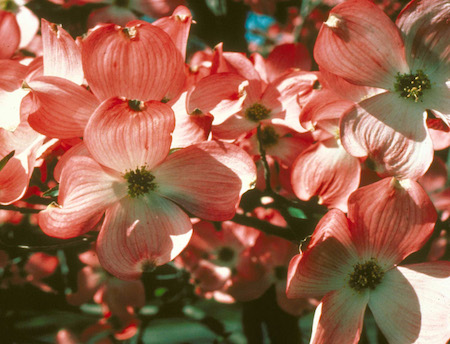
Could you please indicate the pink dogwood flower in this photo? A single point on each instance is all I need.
(408, 62)
(125, 173)
(353, 263)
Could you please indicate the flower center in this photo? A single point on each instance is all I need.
(225, 254)
(257, 112)
(269, 137)
(366, 275)
(140, 182)
(136, 105)
(412, 85)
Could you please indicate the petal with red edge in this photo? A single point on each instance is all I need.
(140, 234)
(86, 190)
(326, 170)
(138, 61)
(361, 44)
(339, 318)
(390, 219)
(124, 137)
(411, 304)
(391, 131)
(62, 56)
(64, 107)
(329, 258)
(206, 179)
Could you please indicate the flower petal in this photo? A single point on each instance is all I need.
(326, 170)
(361, 44)
(62, 56)
(285, 56)
(207, 179)
(391, 131)
(86, 190)
(324, 266)
(140, 234)
(424, 24)
(391, 219)
(138, 61)
(64, 107)
(10, 34)
(339, 318)
(124, 138)
(411, 304)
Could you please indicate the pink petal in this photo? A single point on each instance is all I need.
(390, 219)
(207, 179)
(86, 191)
(10, 34)
(41, 265)
(323, 267)
(124, 138)
(392, 132)
(361, 44)
(222, 95)
(285, 56)
(326, 170)
(28, 24)
(64, 107)
(140, 234)
(424, 24)
(411, 304)
(339, 318)
(177, 26)
(88, 281)
(233, 127)
(12, 74)
(62, 56)
(138, 61)
(189, 129)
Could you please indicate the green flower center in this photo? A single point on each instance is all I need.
(411, 86)
(140, 182)
(269, 137)
(366, 275)
(257, 112)
(136, 105)
(225, 254)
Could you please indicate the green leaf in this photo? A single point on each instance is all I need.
(5, 160)
(297, 213)
(53, 192)
(217, 7)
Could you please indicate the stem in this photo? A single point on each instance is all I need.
(264, 226)
(20, 209)
(262, 151)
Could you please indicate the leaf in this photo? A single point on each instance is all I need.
(5, 160)
(297, 213)
(53, 192)
(217, 7)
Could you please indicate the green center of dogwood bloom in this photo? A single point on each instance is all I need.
(411, 86)
(269, 137)
(257, 112)
(136, 105)
(140, 182)
(366, 275)
(225, 254)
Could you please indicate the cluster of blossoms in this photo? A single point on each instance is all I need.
(154, 153)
